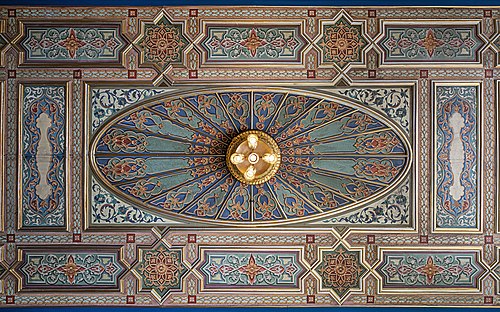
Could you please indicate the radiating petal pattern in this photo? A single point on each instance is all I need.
(168, 155)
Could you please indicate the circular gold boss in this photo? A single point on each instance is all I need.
(253, 157)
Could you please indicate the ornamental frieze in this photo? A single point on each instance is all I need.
(221, 156)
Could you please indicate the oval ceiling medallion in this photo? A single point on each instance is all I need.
(249, 156)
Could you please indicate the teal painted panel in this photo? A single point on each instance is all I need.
(56, 269)
(224, 269)
(430, 269)
(438, 43)
(43, 157)
(256, 43)
(91, 44)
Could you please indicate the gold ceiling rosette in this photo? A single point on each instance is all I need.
(253, 157)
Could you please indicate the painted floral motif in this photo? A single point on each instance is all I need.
(253, 44)
(72, 44)
(238, 108)
(162, 43)
(385, 142)
(68, 270)
(160, 270)
(382, 170)
(207, 105)
(430, 43)
(265, 204)
(456, 157)
(266, 105)
(43, 132)
(125, 141)
(178, 165)
(439, 43)
(62, 44)
(394, 103)
(430, 269)
(106, 101)
(357, 122)
(108, 209)
(393, 209)
(126, 168)
(342, 43)
(237, 206)
(341, 270)
(251, 270)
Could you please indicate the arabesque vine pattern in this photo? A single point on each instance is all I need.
(169, 156)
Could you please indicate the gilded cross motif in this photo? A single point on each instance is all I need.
(162, 43)
(341, 270)
(160, 270)
(342, 43)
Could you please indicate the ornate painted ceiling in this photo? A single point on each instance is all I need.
(249, 156)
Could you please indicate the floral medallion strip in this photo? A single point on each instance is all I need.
(456, 157)
(253, 44)
(44, 157)
(430, 270)
(70, 270)
(85, 44)
(431, 44)
(246, 270)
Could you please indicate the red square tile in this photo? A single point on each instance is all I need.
(488, 13)
(488, 73)
(193, 12)
(311, 299)
(11, 238)
(488, 300)
(488, 239)
(193, 74)
(191, 238)
(9, 299)
(424, 73)
(130, 299)
(132, 74)
(372, 13)
(424, 239)
(11, 13)
(191, 299)
(372, 73)
(130, 238)
(311, 13)
(311, 74)
(77, 238)
(11, 74)
(77, 74)
(310, 238)
(132, 12)
(370, 299)
(370, 239)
